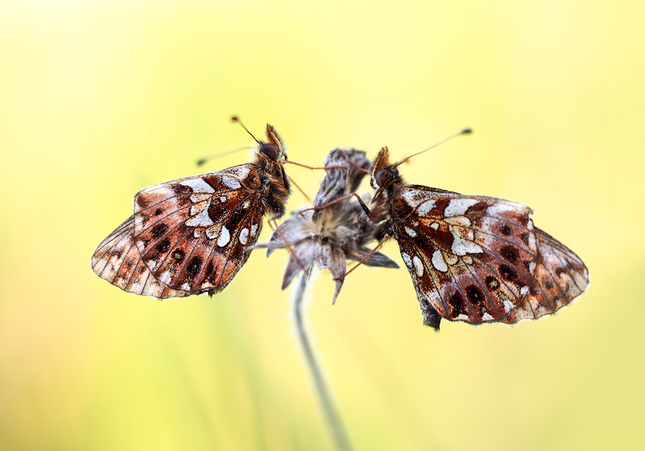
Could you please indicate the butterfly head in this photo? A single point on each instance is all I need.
(274, 148)
(384, 174)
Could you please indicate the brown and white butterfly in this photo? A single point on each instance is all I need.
(473, 258)
(192, 235)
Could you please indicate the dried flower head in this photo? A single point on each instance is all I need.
(335, 229)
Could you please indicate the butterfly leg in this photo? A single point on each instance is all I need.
(363, 260)
(340, 199)
(288, 246)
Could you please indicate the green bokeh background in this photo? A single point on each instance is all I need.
(100, 99)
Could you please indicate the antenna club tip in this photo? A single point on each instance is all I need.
(234, 119)
(466, 131)
(201, 162)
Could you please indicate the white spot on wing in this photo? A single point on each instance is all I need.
(212, 232)
(463, 247)
(411, 232)
(412, 198)
(165, 277)
(434, 226)
(501, 207)
(201, 220)
(458, 207)
(438, 261)
(508, 306)
(198, 185)
(197, 208)
(459, 221)
(240, 171)
(254, 228)
(406, 259)
(199, 197)
(487, 317)
(230, 182)
(524, 291)
(418, 265)
(425, 207)
(244, 234)
(224, 237)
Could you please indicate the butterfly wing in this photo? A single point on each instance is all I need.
(560, 277)
(476, 258)
(117, 260)
(192, 235)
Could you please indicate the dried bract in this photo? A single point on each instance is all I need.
(336, 229)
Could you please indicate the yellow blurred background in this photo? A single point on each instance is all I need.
(100, 99)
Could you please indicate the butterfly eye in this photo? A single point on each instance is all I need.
(382, 177)
(270, 150)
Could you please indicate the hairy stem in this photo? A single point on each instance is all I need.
(336, 428)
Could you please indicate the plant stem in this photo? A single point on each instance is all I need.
(336, 428)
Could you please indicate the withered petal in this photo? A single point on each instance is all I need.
(376, 259)
(305, 256)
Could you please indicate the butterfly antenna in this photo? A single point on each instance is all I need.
(463, 132)
(237, 119)
(201, 161)
(218, 155)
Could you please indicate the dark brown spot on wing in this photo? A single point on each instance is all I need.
(142, 202)
(182, 190)
(456, 303)
(178, 255)
(163, 246)
(506, 230)
(474, 294)
(492, 283)
(442, 237)
(509, 253)
(194, 265)
(211, 273)
(507, 273)
(158, 230)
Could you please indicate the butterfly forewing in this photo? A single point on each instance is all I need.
(193, 235)
(472, 257)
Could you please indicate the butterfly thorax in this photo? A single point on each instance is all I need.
(388, 184)
(273, 185)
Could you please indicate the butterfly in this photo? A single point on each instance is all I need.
(192, 235)
(476, 259)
